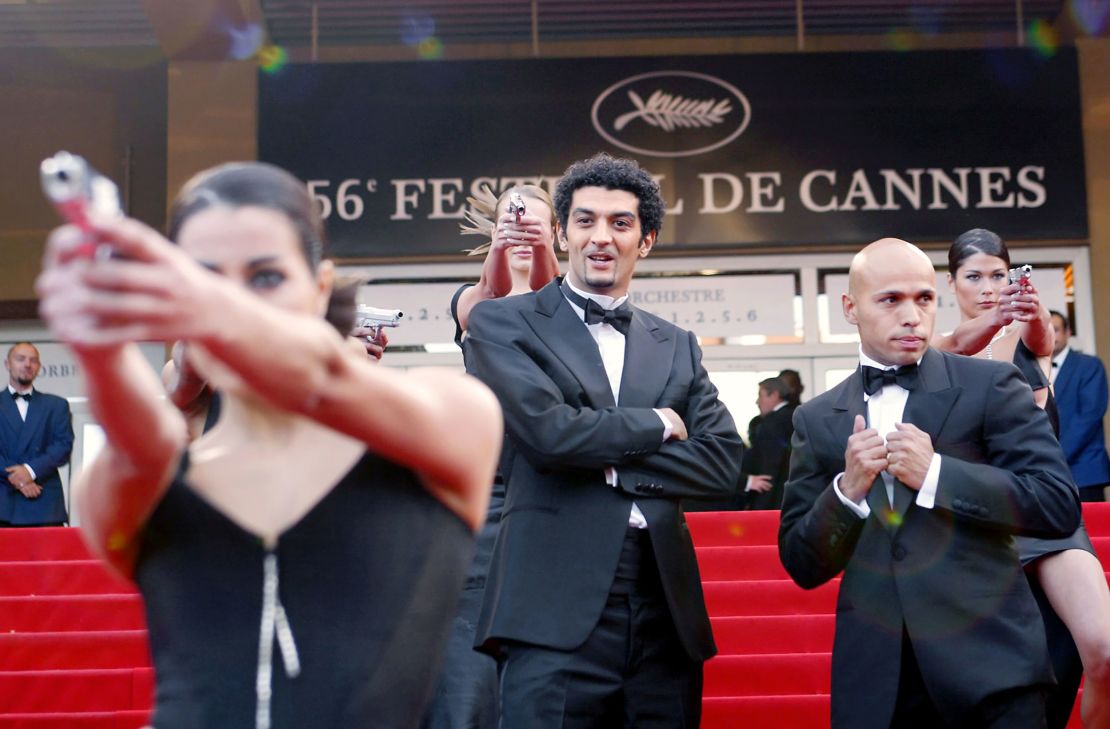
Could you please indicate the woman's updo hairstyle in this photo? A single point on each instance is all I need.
(976, 240)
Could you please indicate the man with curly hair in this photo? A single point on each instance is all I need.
(593, 601)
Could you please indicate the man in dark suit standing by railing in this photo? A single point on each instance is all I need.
(1079, 383)
(36, 437)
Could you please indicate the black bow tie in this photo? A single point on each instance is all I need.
(874, 379)
(16, 395)
(620, 318)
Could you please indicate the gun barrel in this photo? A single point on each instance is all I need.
(372, 316)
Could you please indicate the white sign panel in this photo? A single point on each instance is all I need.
(710, 306)
(721, 306)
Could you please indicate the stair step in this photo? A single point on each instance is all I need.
(73, 650)
(768, 675)
(756, 562)
(119, 689)
(728, 598)
(62, 613)
(733, 528)
(759, 712)
(42, 544)
(68, 577)
(753, 635)
(91, 720)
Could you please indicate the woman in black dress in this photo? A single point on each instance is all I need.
(300, 562)
(1005, 321)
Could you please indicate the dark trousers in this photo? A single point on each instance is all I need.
(631, 672)
(1018, 708)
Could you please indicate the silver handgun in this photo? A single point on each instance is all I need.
(371, 317)
(516, 206)
(76, 189)
(1021, 274)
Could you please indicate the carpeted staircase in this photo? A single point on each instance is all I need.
(73, 651)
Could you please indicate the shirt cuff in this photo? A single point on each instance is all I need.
(862, 509)
(31, 471)
(927, 494)
(668, 428)
(611, 476)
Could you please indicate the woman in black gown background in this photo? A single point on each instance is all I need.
(300, 562)
(1006, 321)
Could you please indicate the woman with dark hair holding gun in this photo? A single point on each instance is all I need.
(1005, 320)
(300, 562)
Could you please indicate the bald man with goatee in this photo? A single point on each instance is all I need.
(911, 478)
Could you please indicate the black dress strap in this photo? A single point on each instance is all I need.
(455, 312)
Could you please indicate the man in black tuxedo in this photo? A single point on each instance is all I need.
(767, 461)
(914, 491)
(593, 599)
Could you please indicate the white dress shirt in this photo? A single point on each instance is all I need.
(884, 409)
(22, 406)
(1058, 363)
(610, 343)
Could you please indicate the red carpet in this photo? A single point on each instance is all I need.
(73, 651)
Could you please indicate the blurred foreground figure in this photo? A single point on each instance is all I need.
(301, 560)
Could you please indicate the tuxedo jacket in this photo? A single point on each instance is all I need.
(1081, 399)
(44, 443)
(769, 455)
(949, 576)
(563, 526)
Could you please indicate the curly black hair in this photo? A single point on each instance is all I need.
(612, 173)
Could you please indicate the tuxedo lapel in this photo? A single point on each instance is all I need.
(928, 407)
(563, 332)
(10, 413)
(1064, 376)
(648, 361)
(844, 411)
(840, 424)
(33, 423)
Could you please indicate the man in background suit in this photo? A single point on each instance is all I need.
(767, 461)
(593, 597)
(911, 477)
(36, 437)
(1079, 383)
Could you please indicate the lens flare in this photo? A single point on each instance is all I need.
(430, 48)
(272, 58)
(899, 39)
(1043, 38)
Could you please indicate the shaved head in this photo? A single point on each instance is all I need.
(884, 254)
(892, 301)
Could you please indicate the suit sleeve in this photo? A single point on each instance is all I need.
(550, 432)
(707, 464)
(60, 444)
(1025, 487)
(1084, 419)
(817, 533)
